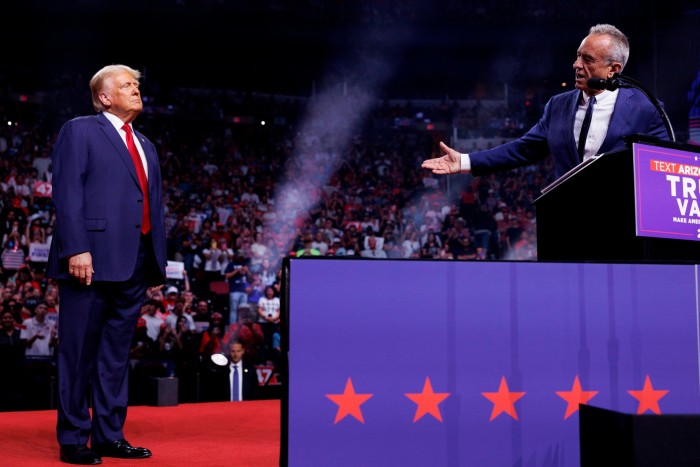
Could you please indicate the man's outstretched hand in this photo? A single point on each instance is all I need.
(450, 163)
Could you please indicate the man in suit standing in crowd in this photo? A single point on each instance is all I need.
(613, 115)
(244, 387)
(230, 379)
(108, 249)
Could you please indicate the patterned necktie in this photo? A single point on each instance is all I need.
(143, 181)
(584, 128)
(234, 384)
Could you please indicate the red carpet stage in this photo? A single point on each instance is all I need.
(211, 434)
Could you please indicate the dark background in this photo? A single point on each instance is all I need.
(402, 49)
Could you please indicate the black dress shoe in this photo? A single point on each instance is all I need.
(120, 448)
(79, 454)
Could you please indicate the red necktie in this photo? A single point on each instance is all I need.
(136, 158)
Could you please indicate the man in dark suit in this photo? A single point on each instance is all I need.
(615, 114)
(108, 249)
(219, 380)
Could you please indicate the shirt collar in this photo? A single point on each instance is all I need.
(114, 120)
(603, 97)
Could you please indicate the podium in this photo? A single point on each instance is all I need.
(588, 214)
(623, 440)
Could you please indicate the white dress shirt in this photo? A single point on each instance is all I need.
(116, 121)
(602, 112)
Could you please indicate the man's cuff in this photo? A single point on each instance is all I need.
(465, 163)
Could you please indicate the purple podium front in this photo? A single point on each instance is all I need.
(415, 363)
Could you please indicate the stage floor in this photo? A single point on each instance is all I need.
(203, 434)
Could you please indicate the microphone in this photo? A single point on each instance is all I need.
(597, 83)
(619, 81)
(601, 83)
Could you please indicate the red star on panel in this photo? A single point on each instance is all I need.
(503, 400)
(648, 397)
(575, 397)
(427, 401)
(349, 402)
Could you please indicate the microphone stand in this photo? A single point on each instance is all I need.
(620, 81)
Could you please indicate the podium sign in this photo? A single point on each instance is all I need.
(666, 185)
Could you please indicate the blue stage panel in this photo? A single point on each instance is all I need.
(421, 363)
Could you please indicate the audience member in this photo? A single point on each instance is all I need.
(308, 249)
(255, 291)
(177, 313)
(410, 247)
(249, 333)
(211, 342)
(237, 275)
(171, 294)
(12, 349)
(215, 255)
(373, 250)
(320, 243)
(39, 333)
(267, 274)
(201, 315)
(258, 252)
(142, 346)
(431, 247)
(149, 314)
(269, 315)
(14, 250)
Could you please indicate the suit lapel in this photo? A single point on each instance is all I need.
(619, 120)
(570, 112)
(116, 140)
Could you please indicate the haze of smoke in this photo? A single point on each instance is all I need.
(332, 120)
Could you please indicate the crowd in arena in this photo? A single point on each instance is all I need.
(240, 197)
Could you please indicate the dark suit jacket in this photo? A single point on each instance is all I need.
(216, 386)
(100, 201)
(554, 134)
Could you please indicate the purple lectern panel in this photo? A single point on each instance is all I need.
(667, 188)
(432, 363)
